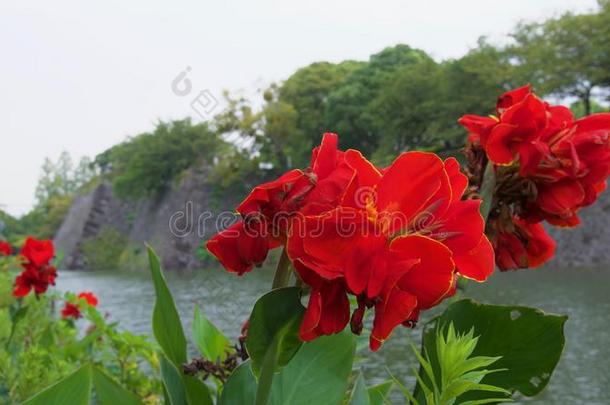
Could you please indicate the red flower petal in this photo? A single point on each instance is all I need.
(457, 179)
(410, 183)
(239, 249)
(431, 275)
(561, 197)
(478, 263)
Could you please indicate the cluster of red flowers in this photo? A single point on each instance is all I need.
(73, 310)
(396, 238)
(38, 273)
(548, 166)
(5, 248)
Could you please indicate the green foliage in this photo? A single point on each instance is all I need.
(347, 111)
(318, 374)
(566, 56)
(331, 357)
(240, 388)
(132, 258)
(210, 341)
(147, 164)
(273, 334)
(110, 393)
(103, 252)
(527, 342)
(453, 370)
(361, 395)
(74, 389)
(44, 349)
(167, 328)
(44, 219)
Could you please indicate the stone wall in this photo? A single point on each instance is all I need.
(174, 224)
(177, 223)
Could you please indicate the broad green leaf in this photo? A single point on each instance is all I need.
(318, 374)
(210, 341)
(528, 341)
(168, 331)
(378, 393)
(110, 392)
(197, 392)
(273, 334)
(360, 395)
(166, 321)
(240, 388)
(172, 382)
(75, 389)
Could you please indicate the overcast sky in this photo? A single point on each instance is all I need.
(81, 75)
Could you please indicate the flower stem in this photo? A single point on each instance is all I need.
(282, 272)
(488, 186)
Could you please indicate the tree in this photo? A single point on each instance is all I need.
(308, 89)
(566, 56)
(346, 110)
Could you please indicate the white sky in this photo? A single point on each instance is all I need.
(81, 75)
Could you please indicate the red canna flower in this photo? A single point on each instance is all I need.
(37, 272)
(89, 297)
(266, 213)
(34, 278)
(73, 310)
(70, 310)
(5, 248)
(515, 131)
(38, 252)
(574, 173)
(548, 166)
(527, 245)
(398, 239)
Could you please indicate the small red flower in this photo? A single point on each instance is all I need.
(515, 131)
(37, 272)
(5, 248)
(34, 278)
(38, 252)
(89, 297)
(526, 245)
(70, 310)
(73, 310)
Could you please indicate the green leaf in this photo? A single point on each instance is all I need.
(111, 393)
(528, 341)
(210, 341)
(240, 388)
(168, 331)
(360, 395)
(318, 374)
(172, 382)
(378, 393)
(167, 327)
(273, 334)
(197, 392)
(75, 389)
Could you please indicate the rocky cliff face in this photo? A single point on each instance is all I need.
(177, 223)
